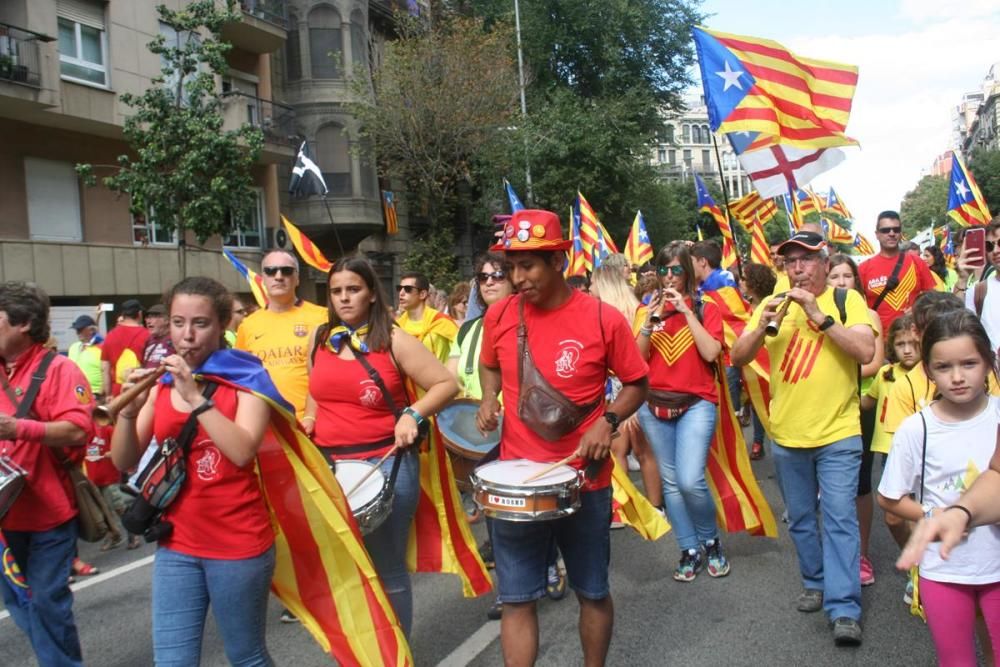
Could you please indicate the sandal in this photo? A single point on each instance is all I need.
(133, 542)
(112, 542)
(84, 569)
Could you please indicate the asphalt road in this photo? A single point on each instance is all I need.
(747, 618)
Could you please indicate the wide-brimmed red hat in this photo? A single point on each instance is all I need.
(532, 229)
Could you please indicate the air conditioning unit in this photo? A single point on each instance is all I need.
(277, 239)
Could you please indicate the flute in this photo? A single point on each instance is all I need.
(105, 415)
(771, 328)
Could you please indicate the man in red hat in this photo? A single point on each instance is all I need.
(573, 357)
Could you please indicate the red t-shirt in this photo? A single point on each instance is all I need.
(220, 511)
(350, 407)
(120, 339)
(98, 465)
(574, 355)
(47, 499)
(914, 278)
(674, 361)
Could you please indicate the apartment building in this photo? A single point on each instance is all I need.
(64, 65)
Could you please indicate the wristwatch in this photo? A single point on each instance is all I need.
(612, 419)
(827, 323)
(203, 408)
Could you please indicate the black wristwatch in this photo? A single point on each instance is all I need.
(827, 323)
(203, 408)
(612, 419)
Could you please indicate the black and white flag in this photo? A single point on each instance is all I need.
(306, 179)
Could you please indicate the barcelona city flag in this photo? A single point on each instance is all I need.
(311, 254)
(966, 204)
(757, 85)
(323, 573)
(638, 249)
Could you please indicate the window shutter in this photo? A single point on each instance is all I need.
(84, 12)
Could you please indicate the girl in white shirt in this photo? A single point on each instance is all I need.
(936, 454)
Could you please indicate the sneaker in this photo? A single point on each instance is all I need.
(486, 553)
(846, 632)
(692, 562)
(867, 572)
(555, 586)
(718, 566)
(495, 611)
(757, 451)
(908, 593)
(811, 600)
(288, 617)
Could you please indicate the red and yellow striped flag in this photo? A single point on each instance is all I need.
(589, 236)
(966, 204)
(310, 254)
(389, 209)
(751, 205)
(760, 251)
(634, 509)
(707, 205)
(836, 233)
(638, 248)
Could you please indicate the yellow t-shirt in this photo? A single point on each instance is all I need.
(912, 393)
(879, 390)
(435, 330)
(782, 284)
(281, 342)
(814, 384)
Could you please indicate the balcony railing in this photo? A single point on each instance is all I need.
(277, 121)
(272, 11)
(20, 59)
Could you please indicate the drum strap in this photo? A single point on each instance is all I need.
(390, 403)
(477, 330)
(23, 406)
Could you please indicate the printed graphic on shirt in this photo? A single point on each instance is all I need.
(370, 395)
(208, 463)
(82, 394)
(301, 330)
(800, 357)
(961, 483)
(899, 297)
(569, 356)
(673, 346)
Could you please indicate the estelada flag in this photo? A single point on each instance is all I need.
(707, 205)
(310, 254)
(254, 280)
(13, 577)
(322, 573)
(389, 209)
(638, 249)
(966, 204)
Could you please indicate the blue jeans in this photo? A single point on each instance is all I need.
(387, 544)
(734, 378)
(45, 558)
(831, 564)
(183, 587)
(681, 446)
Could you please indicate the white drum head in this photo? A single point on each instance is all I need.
(513, 473)
(350, 473)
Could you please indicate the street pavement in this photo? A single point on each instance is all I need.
(747, 618)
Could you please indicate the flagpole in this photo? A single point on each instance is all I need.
(524, 105)
(336, 234)
(725, 199)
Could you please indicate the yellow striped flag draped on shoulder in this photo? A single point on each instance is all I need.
(757, 85)
(307, 250)
(638, 248)
(322, 573)
(966, 204)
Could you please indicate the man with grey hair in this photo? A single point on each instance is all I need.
(816, 336)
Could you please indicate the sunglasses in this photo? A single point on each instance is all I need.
(272, 271)
(676, 270)
(495, 275)
(409, 289)
(990, 245)
(890, 230)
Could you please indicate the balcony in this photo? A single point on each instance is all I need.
(264, 27)
(27, 70)
(276, 121)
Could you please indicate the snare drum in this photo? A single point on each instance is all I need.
(372, 502)
(500, 491)
(465, 444)
(12, 480)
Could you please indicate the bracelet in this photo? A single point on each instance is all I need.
(968, 524)
(122, 415)
(305, 417)
(646, 331)
(417, 417)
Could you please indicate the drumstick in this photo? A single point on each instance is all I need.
(372, 471)
(548, 469)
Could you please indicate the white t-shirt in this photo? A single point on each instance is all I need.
(956, 454)
(991, 308)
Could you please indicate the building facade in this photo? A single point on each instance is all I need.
(685, 147)
(977, 117)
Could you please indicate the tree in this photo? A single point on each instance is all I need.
(985, 167)
(926, 204)
(434, 256)
(184, 169)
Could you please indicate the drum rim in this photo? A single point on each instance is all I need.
(478, 482)
(472, 454)
(383, 488)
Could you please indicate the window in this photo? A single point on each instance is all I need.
(672, 157)
(661, 155)
(669, 134)
(53, 190)
(83, 46)
(359, 44)
(706, 134)
(686, 133)
(334, 159)
(293, 54)
(369, 184)
(145, 231)
(687, 158)
(696, 134)
(249, 232)
(175, 39)
(706, 159)
(325, 43)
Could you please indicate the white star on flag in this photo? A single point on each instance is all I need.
(732, 78)
(963, 191)
(643, 236)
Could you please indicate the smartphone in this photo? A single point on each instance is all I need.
(975, 239)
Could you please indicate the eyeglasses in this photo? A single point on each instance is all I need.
(801, 259)
(272, 271)
(409, 289)
(890, 230)
(497, 276)
(676, 270)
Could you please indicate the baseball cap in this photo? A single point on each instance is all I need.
(83, 322)
(804, 239)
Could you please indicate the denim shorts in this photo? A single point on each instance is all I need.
(522, 551)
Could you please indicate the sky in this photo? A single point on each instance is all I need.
(915, 59)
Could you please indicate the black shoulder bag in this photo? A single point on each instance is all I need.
(161, 479)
